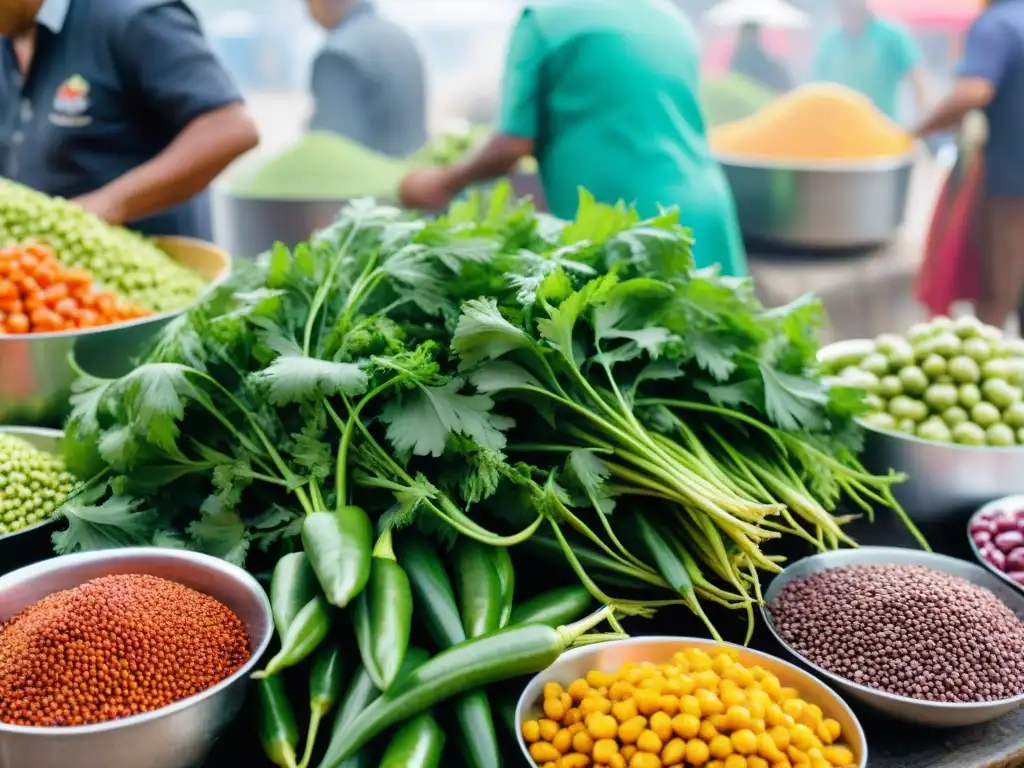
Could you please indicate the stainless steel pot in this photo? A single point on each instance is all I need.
(35, 377)
(819, 205)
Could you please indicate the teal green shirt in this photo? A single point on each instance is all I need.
(876, 62)
(608, 90)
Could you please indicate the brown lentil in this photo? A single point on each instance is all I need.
(907, 630)
(113, 647)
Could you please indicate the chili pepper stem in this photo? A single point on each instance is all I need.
(315, 716)
(573, 632)
(384, 548)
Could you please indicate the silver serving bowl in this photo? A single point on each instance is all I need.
(834, 205)
(1006, 501)
(929, 713)
(47, 440)
(178, 736)
(35, 377)
(608, 657)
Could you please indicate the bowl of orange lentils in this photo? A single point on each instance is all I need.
(51, 313)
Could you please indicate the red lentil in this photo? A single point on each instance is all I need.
(113, 647)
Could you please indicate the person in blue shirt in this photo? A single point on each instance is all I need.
(991, 78)
(872, 56)
(368, 81)
(119, 105)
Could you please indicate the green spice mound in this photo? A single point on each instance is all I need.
(447, 149)
(32, 484)
(323, 166)
(121, 260)
(733, 97)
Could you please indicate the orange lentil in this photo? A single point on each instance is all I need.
(113, 647)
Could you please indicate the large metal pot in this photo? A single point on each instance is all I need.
(35, 377)
(819, 205)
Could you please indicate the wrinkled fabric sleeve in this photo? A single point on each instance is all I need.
(339, 93)
(521, 86)
(167, 60)
(989, 48)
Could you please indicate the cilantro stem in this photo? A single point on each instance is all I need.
(341, 470)
(325, 287)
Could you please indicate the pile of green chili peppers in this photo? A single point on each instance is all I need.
(345, 621)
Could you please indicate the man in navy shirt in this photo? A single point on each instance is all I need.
(368, 81)
(119, 105)
(991, 78)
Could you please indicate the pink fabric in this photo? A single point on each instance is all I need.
(952, 263)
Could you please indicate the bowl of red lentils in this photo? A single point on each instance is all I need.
(131, 658)
(655, 702)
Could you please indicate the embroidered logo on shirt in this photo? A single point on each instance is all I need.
(71, 102)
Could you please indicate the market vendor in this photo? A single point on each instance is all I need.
(368, 81)
(604, 93)
(991, 78)
(119, 105)
(873, 56)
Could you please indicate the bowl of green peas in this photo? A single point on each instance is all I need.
(33, 482)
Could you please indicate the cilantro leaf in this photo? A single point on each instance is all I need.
(117, 521)
(713, 355)
(222, 535)
(590, 473)
(792, 402)
(293, 379)
(559, 326)
(502, 375)
(408, 501)
(275, 524)
(311, 454)
(156, 394)
(119, 448)
(420, 423)
(483, 333)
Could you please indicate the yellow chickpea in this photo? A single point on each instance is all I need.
(710, 704)
(737, 717)
(647, 700)
(596, 679)
(775, 716)
(767, 748)
(820, 762)
(744, 741)
(531, 731)
(578, 689)
(722, 662)
(630, 730)
(689, 705)
(627, 752)
(553, 709)
(731, 694)
(583, 743)
(715, 764)
(699, 660)
(793, 707)
(839, 756)
(553, 764)
(686, 686)
(661, 724)
(617, 761)
(577, 728)
(720, 747)
(566, 700)
(835, 730)
(770, 685)
(803, 738)
(542, 752)
(562, 741)
(780, 735)
(674, 752)
(797, 756)
(620, 691)
(686, 726)
(757, 762)
(669, 704)
(811, 716)
(719, 721)
(744, 677)
(707, 680)
(552, 690)
(602, 726)
(697, 752)
(644, 760)
(548, 729)
(783, 763)
(707, 730)
(604, 750)
(575, 761)
(625, 710)
(572, 717)
(758, 725)
(758, 703)
(649, 742)
(735, 761)
(787, 693)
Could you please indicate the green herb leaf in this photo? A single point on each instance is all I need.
(483, 333)
(293, 379)
(221, 535)
(502, 375)
(118, 521)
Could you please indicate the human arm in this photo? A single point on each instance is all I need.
(517, 128)
(986, 55)
(339, 97)
(177, 79)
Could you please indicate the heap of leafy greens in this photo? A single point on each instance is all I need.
(496, 374)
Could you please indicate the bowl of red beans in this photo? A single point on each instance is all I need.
(996, 534)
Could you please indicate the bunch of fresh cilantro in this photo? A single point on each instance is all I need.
(494, 373)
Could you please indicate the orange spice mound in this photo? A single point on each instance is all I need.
(819, 121)
(113, 647)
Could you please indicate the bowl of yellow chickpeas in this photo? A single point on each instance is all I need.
(676, 702)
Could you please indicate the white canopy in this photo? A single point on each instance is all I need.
(769, 13)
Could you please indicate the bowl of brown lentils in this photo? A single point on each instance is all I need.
(921, 637)
(133, 657)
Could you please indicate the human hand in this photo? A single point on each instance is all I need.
(104, 205)
(429, 189)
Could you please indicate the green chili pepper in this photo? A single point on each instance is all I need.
(292, 586)
(507, 578)
(339, 547)
(383, 616)
(278, 733)
(304, 636)
(506, 706)
(475, 663)
(435, 604)
(325, 679)
(554, 608)
(477, 587)
(672, 569)
(417, 744)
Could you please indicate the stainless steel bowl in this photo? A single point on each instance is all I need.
(608, 657)
(820, 205)
(945, 481)
(178, 736)
(936, 714)
(35, 378)
(1005, 501)
(47, 440)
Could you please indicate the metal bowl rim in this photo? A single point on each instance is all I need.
(169, 314)
(185, 556)
(932, 705)
(957, 447)
(55, 434)
(883, 164)
(522, 704)
(974, 547)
